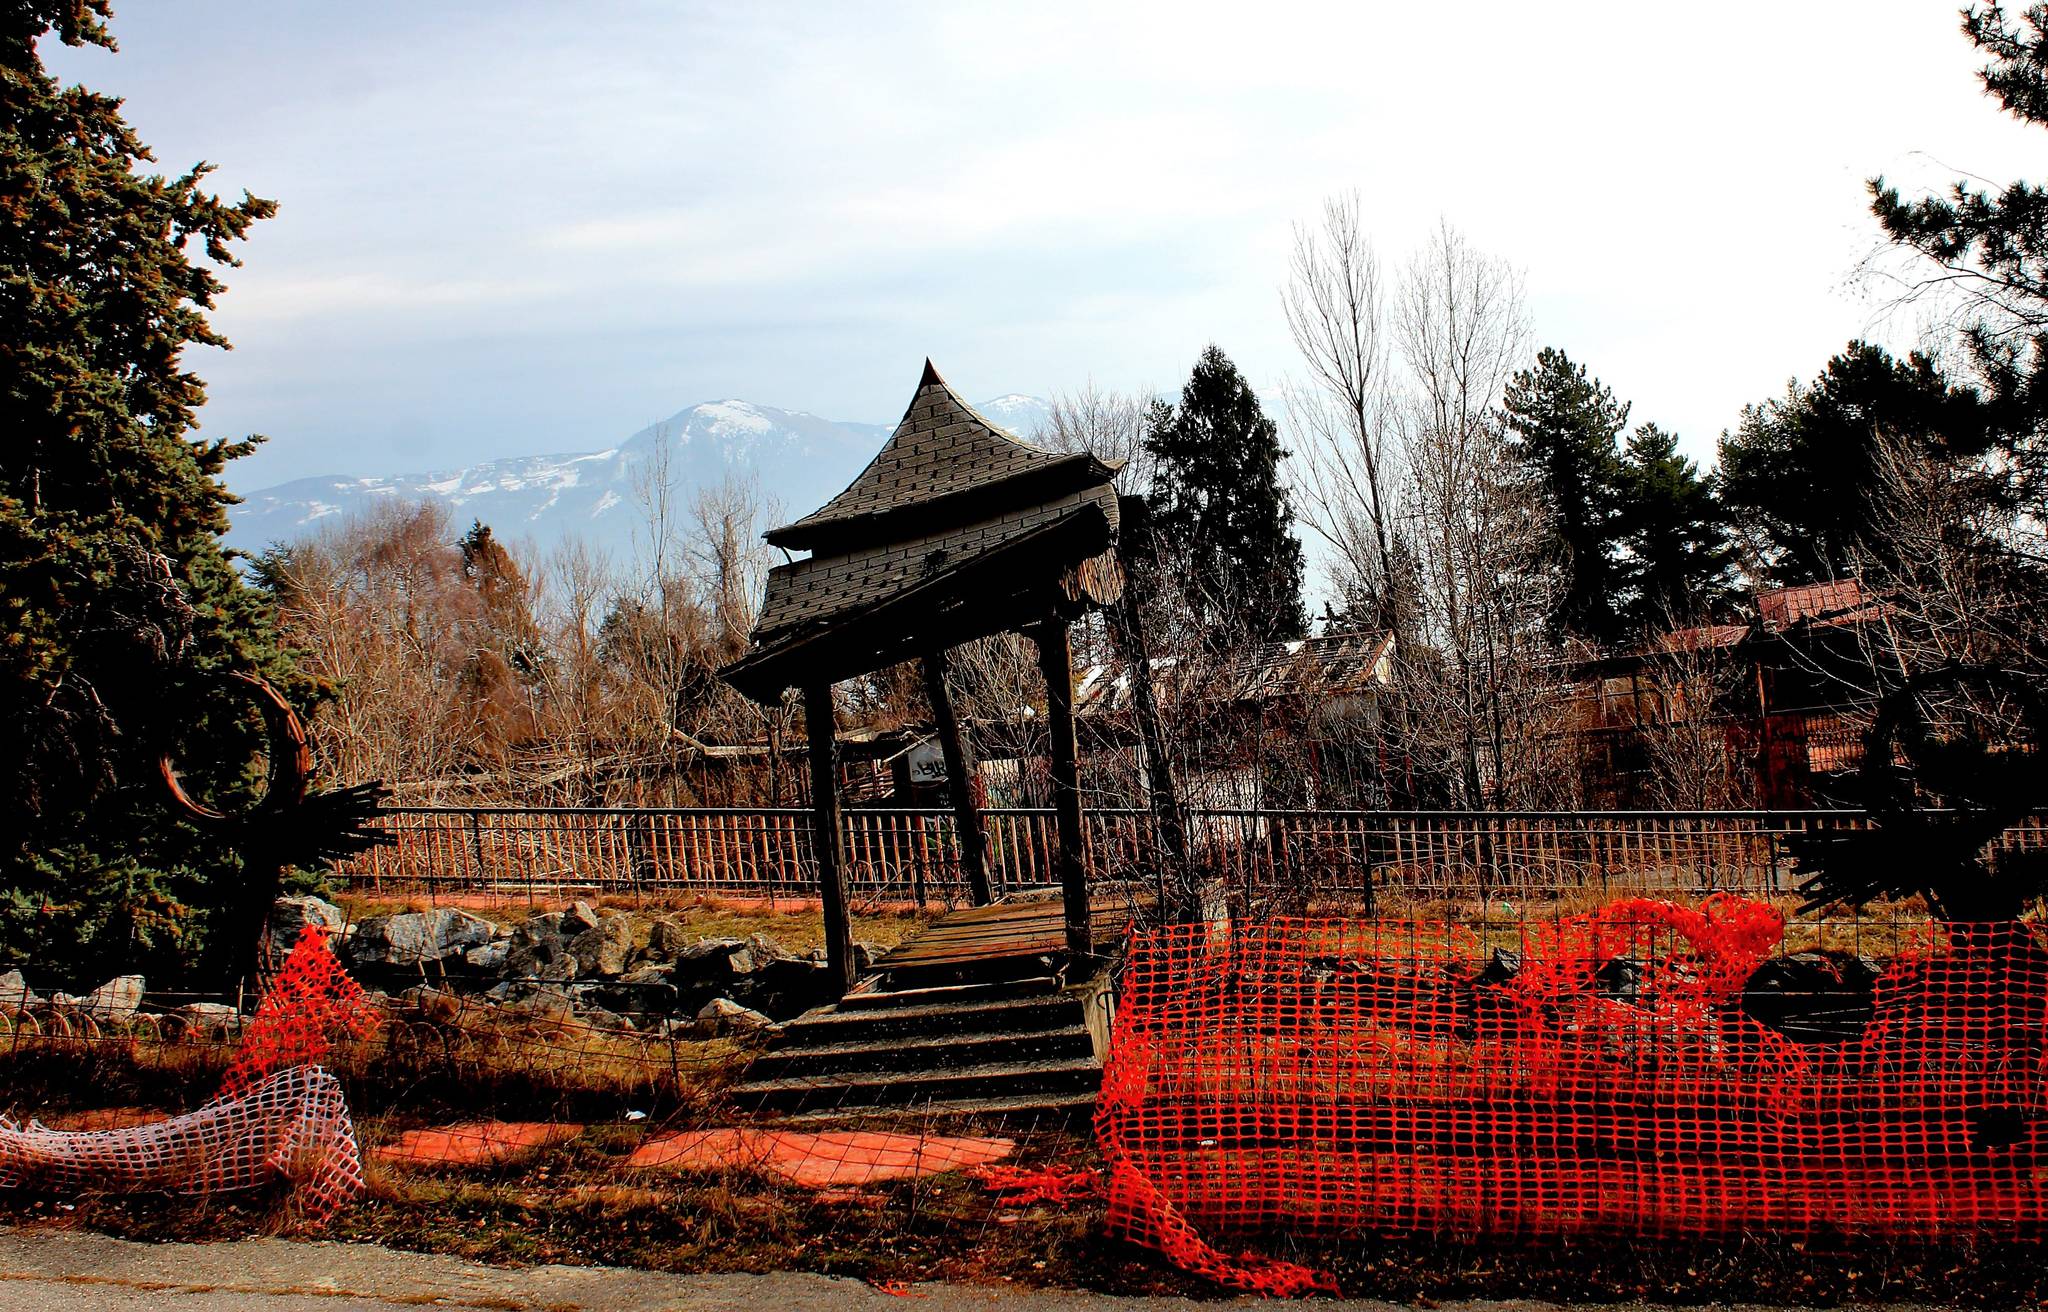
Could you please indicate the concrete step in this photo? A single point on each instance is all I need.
(1035, 986)
(899, 1053)
(1063, 1075)
(829, 1026)
(1022, 1111)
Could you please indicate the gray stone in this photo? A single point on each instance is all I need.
(490, 957)
(289, 917)
(15, 994)
(579, 917)
(724, 1016)
(117, 999)
(666, 939)
(604, 948)
(714, 961)
(211, 1012)
(415, 938)
(548, 959)
(766, 949)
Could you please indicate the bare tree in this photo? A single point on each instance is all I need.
(1347, 427)
(1107, 425)
(1484, 688)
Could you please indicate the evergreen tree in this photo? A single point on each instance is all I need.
(1221, 518)
(119, 606)
(1677, 559)
(1798, 474)
(1992, 249)
(1564, 424)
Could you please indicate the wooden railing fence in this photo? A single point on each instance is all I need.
(914, 855)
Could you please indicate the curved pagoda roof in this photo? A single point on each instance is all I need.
(943, 460)
(955, 530)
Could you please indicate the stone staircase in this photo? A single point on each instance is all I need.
(1013, 1049)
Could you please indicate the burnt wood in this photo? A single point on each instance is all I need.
(1056, 662)
(959, 778)
(827, 834)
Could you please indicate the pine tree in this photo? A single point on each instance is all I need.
(1221, 518)
(1991, 249)
(1677, 559)
(1798, 473)
(118, 603)
(1564, 425)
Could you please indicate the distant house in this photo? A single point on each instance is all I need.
(1284, 724)
(1789, 695)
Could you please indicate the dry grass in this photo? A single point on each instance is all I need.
(796, 923)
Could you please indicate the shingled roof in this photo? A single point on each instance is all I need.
(955, 530)
(932, 467)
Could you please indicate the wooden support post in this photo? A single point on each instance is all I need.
(1056, 662)
(959, 779)
(827, 836)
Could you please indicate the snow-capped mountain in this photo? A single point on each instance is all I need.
(798, 459)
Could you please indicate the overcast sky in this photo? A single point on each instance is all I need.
(514, 228)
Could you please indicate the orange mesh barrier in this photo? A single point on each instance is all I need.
(312, 1001)
(1649, 1069)
(278, 1116)
(294, 1126)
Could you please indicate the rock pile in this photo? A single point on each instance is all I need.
(601, 966)
(586, 965)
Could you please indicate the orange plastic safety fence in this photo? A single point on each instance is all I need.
(278, 1114)
(312, 1002)
(1643, 1071)
(294, 1126)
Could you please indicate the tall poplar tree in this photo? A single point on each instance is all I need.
(119, 608)
(1564, 424)
(1222, 521)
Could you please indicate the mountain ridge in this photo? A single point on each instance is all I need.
(798, 459)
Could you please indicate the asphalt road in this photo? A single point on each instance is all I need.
(64, 1271)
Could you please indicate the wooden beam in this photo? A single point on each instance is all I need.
(959, 778)
(1056, 662)
(827, 834)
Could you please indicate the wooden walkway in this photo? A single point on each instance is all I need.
(1002, 931)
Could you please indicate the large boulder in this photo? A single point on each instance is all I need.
(723, 1016)
(416, 938)
(289, 917)
(579, 917)
(117, 999)
(604, 948)
(15, 994)
(714, 960)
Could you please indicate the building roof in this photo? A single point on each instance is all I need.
(816, 589)
(1333, 665)
(955, 530)
(1834, 601)
(942, 452)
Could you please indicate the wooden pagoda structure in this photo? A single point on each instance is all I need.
(956, 530)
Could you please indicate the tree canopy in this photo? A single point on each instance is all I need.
(1220, 510)
(1677, 563)
(1564, 424)
(1798, 474)
(1991, 248)
(117, 599)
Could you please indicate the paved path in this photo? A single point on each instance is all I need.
(64, 1271)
